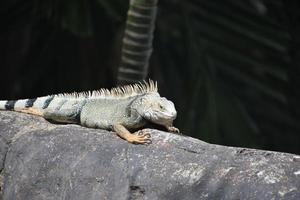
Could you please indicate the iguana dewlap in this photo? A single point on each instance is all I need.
(120, 109)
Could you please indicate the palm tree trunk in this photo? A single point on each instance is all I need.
(137, 41)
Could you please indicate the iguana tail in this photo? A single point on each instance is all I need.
(32, 106)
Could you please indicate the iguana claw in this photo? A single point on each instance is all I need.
(141, 137)
(173, 129)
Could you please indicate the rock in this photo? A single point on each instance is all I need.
(40, 160)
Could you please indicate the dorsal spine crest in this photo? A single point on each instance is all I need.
(117, 92)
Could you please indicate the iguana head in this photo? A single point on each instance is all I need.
(156, 109)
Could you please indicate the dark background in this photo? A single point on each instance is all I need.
(231, 67)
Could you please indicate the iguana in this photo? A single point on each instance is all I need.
(120, 109)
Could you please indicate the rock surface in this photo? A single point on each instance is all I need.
(40, 160)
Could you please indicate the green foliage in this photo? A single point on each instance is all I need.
(231, 59)
(79, 17)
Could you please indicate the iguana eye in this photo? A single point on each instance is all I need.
(161, 107)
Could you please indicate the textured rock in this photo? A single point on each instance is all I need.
(40, 160)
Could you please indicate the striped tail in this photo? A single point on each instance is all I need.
(24, 105)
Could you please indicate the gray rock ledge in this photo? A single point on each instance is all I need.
(40, 160)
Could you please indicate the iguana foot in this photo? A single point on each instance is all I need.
(173, 129)
(139, 137)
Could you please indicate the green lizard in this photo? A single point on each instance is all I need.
(120, 109)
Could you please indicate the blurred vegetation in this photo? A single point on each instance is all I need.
(231, 67)
(137, 42)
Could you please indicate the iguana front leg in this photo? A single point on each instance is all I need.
(139, 137)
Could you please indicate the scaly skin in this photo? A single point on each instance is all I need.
(120, 109)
